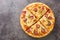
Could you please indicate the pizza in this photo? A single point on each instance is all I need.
(37, 20)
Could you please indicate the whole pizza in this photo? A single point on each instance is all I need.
(37, 20)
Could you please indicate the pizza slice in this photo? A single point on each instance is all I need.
(37, 9)
(48, 20)
(27, 19)
(37, 30)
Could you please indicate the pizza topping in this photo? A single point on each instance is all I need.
(35, 9)
(28, 30)
(49, 23)
(48, 11)
(31, 17)
(49, 17)
(43, 30)
(42, 7)
(24, 12)
(37, 25)
(46, 15)
(36, 32)
(25, 20)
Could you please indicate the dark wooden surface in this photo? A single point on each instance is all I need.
(10, 28)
